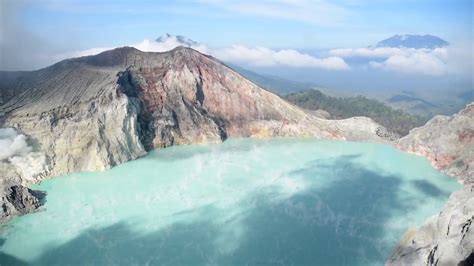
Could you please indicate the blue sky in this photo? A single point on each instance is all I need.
(253, 34)
(294, 39)
(278, 24)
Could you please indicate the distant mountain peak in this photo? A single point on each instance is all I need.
(413, 41)
(182, 40)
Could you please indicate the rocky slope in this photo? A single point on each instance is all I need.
(93, 112)
(448, 142)
(448, 237)
(17, 200)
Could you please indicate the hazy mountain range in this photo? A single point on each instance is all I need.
(413, 41)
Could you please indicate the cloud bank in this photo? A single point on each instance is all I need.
(262, 56)
(240, 54)
(165, 44)
(421, 62)
(453, 59)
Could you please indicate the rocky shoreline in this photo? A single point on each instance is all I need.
(448, 237)
(444, 239)
(18, 200)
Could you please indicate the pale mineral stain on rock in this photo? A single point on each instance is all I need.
(448, 142)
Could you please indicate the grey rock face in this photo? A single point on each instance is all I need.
(448, 237)
(445, 239)
(448, 142)
(17, 200)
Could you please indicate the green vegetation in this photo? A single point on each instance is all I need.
(396, 121)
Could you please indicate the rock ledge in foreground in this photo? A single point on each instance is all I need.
(18, 200)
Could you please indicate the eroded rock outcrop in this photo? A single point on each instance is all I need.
(448, 141)
(17, 200)
(444, 239)
(448, 237)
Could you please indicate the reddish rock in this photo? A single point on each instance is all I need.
(448, 142)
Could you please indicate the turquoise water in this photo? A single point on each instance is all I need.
(241, 202)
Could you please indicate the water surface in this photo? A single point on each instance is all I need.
(241, 202)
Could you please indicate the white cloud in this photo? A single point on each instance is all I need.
(453, 59)
(369, 52)
(421, 63)
(166, 44)
(257, 56)
(262, 56)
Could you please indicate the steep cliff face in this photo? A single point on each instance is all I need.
(448, 237)
(444, 239)
(448, 142)
(94, 112)
(76, 117)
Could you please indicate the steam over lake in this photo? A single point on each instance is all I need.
(244, 201)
